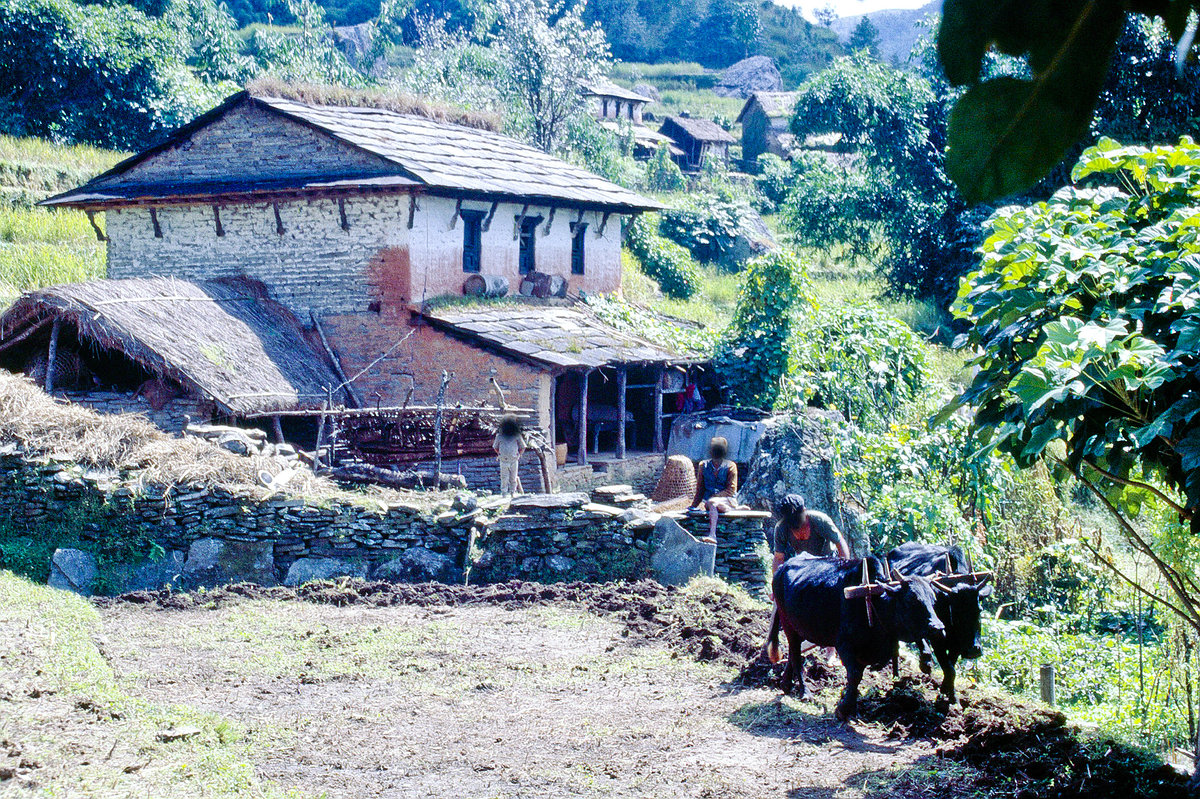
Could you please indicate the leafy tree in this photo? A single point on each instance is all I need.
(865, 36)
(754, 359)
(1007, 132)
(826, 14)
(893, 204)
(109, 76)
(546, 51)
(710, 224)
(210, 37)
(729, 32)
(1084, 322)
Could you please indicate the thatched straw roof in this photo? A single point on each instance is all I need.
(223, 340)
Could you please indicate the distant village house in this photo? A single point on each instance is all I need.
(765, 121)
(697, 141)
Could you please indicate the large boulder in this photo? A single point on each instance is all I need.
(305, 570)
(418, 565)
(754, 74)
(215, 561)
(741, 427)
(73, 570)
(678, 556)
(795, 455)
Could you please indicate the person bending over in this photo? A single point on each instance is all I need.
(716, 485)
(802, 531)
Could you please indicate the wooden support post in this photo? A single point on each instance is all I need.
(1047, 683)
(91, 215)
(345, 223)
(519, 220)
(52, 355)
(549, 221)
(217, 220)
(437, 430)
(658, 409)
(278, 219)
(277, 429)
(154, 221)
(412, 209)
(487, 220)
(622, 384)
(320, 438)
(581, 455)
(603, 224)
(457, 214)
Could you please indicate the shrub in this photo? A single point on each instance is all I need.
(664, 260)
(710, 225)
(753, 361)
(773, 181)
(662, 173)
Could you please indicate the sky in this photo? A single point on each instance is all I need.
(848, 8)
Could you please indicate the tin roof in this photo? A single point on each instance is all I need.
(433, 154)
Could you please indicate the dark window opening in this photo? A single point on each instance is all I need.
(527, 261)
(472, 240)
(578, 229)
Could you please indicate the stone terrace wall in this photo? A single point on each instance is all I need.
(538, 537)
(743, 553)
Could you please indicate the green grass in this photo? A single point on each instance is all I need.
(33, 169)
(50, 636)
(711, 307)
(844, 286)
(698, 103)
(43, 248)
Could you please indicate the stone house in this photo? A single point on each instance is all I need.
(363, 225)
(765, 122)
(621, 111)
(697, 141)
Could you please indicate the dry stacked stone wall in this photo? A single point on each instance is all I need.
(281, 537)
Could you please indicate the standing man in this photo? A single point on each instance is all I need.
(716, 485)
(803, 531)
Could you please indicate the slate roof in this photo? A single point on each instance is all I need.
(774, 104)
(698, 129)
(605, 88)
(435, 155)
(223, 340)
(555, 336)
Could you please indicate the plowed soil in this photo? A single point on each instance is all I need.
(704, 720)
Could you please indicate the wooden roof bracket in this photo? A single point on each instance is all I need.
(457, 214)
(578, 221)
(519, 221)
(278, 219)
(549, 221)
(91, 215)
(487, 221)
(345, 223)
(413, 205)
(154, 221)
(217, 220)
(603, 224)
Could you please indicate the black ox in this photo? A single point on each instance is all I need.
(865, 623)
(957, 605)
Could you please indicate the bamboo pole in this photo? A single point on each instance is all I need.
(52, 355)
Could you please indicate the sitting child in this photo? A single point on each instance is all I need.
(716, 485)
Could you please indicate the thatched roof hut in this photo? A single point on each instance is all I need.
(222, 340)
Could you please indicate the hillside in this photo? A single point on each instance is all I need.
(40, 247)
(899, 29)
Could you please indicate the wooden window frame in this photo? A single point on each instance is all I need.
(527, 243)
(579, 248)
(472, 226)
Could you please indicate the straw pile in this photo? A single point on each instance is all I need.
(42, 426)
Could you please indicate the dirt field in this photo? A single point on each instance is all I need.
(513, 691)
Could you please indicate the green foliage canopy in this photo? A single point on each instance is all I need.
(1084, 322)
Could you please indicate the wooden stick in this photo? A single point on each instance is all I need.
(277, 428)
(52, 355)
(581, 455)
(622, 381)
(351, 392)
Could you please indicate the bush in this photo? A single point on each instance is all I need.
(662, 173)
(773, 181)
(753, 361)
(664, 260)
(711, 225)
